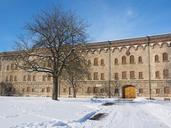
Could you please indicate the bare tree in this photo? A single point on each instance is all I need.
(53, 37)
(76, 70)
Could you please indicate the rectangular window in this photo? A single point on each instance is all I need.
(157, 91)
(124, 75)
(95, 61)
(12, 66)
(89, 76)
(89, 90)
(95, 90)
(7, 67)
(116, 90)
(24, 78)
(140, 90)
(132, 75)
(95, 75)
(15, 78)
(102, 90)
(48, 89)
(166, 90)
(102, 62)
(49, 78)
(43, 78)
(29, 78)
(140, 75)
(6, 78)
(11, 78)
(34, 78)
(102, 76)
(116, 77)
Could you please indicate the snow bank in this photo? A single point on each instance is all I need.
(140, 99)
(75, 113)
(46, 124)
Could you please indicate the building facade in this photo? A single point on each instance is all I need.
(128, 68)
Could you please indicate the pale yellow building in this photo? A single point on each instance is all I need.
(129, 67)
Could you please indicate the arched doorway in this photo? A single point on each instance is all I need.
(128, 91)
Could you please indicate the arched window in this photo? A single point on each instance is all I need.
(132, 59)
(95, 61)
(166, 90)
(165, 73)
(157, 74)
(156, 58)
(102, 62)
(165, 57)
(140, 59)
(116, 61)
(123, 60)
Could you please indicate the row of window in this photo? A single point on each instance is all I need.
(12, 67)
(167, 90)
(96, 62)
(95, 90)
(96, 76)
(140, 75)
(157, 91)
(29, 89)
(131, 74)
(28, 78)
(11, 78)
(165, 74)
(131, 60)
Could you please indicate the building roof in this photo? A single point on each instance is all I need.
(116, 43)
(132, 41)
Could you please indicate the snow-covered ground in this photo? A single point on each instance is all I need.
(42, 112)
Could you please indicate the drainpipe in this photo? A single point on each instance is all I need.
(149, 66)
(109, 80)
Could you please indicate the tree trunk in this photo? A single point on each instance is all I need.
(69, 91)
(74, 91)
(55, 88)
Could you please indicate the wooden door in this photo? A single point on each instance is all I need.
(129, 92)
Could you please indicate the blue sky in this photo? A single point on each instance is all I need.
(107, 19)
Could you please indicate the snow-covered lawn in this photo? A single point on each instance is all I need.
(42, 112)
